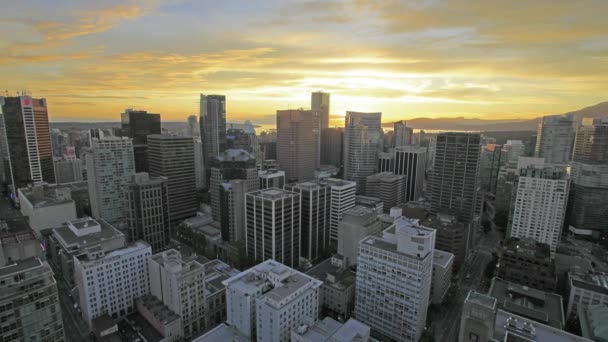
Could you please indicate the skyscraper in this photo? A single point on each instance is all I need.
(410, 161)
(212, 121)
(137, 125)
(555, 139)
(454, 182)
(319, 102)
(199, 165)
(172, 156)
(297, 144)
(110, 164)
(273, 226)
(193, 129)
(331, 146)
(491, 161)
(148, 218)
(386, 186)
(362, 143)
(403, 134)
(26, 137)
(343, 195)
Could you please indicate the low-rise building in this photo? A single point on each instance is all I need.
(527, 262)
(357, 223)
(338, 289)
(592, 320)
(18, 241)
(47, 206)
(216, 272)
(164, 321)
(370, 202)
(442, 275)
(452, 236)
(586, 288)
(330, 330)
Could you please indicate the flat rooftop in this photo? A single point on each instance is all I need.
(442, 258)
(158, 309)
(511, 327)
(135, 246)
(527, 246)
(481, 299)
(15, 230)
(594, 281)
(340, 278)
(70, 240)
(45, 195)
(272, 194)
(216, 272)
(222, 333)
(20, 266)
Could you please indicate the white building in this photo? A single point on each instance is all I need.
(410, 161)
(330, 330)
(269, 300)
(555, 139)
(394, 280)
(109, 283)
(47, 206)
(181, 287)
(342, 198)
(540, 204)
(585, 289)
(442, 275)
(110, 164)
(357, 223)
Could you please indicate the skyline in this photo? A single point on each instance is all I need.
(430, 59)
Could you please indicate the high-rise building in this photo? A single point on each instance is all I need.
(271, 179)
(491, 161)
(315, 200)
(331, 146)
(25, 136)
(443, 263)
(273, 226)
(180, 285)
(539, 205)
(29, 302)
(110, 164)
(450, 236)
(395, 303)
(172, 156)
(410, 161)
(555, 139)
(137, 125)
(362, 143)
(357, 223)
(233, 173)
(402, 134)
(68, 171)
(528, 263)
(148, 219)
(388, 187)
(386, 162)
(512, 150)
(342, 196)
(455, 178)
(297, 144)
(110, 282)
(319, 102)
(212, 121)
(199, 165)
(193, 128)
(588, 208)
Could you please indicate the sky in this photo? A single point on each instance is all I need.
(490, 59)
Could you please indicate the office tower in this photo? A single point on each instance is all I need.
(29, 302)
(212, 122)
(193, 128)
(410, 161)
(233, 173)
(137, 125)
(455, 179)
(357, 223)
(199, 165)
(68, 171)
(269, 300)
(319, 102)
(388, 187)
(528, 263)
(442, 275)
(172, 156)
(180, 285)
(315, 200)
(297, 145)
(271, 179)
(513, 150)
(490, 163)
(395, 303)
(555, 138)
(402, 134)
(589, 192)
(110, 282)
(362, 143)
(342, 197)
(451, 236)
(539, 204)
(110, 164)
(25, 133)
(331, 146)
(272, 226)
(148, 219)
(386, 162)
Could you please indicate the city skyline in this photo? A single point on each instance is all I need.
(403, 59)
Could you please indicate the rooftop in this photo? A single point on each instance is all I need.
(216, 272)
(222, 333)
(20, 266)
(442, 258)
(329, 329)
(272, 194)
(15, 230)
(333, 274)
(44, 195)
(158, 309)
(236, 155)
(384, 177)
(527, 246)
(171, 260)
(592, 281)
(514, 328)
(592, 319)
(69, 240)
(133, 247)
(481, 299)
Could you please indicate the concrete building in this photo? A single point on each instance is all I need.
(319, 102)
(180, 285)
(342, 197)
(539, 204)
(68, 170)
(386, 162)
(394, 275)
(216, 272)
(586, 288)
(148, 215)
(512, 150)
(442, 275)
(357, 223)
(212, 121)
(172, 156)
(29, 302)
(555, 139)
(76, 238)
(298, 144)
(451, 236)
(268, 301)
(388, 187)
(164, 322)
(592, 320)
(362, 143)
(373, 203)
(273, 226)
(338, 289)
(528, 263)
(410, 161)
(331, 146)
(110, 282)
(137, 125)
(271, 179)
(110, 164)
(315, 206)
(403, 135)
(18, 241)
(490, 163)
(199, 165)
(330, 330)
(47, 206)
(233, 173)
(455, 179)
